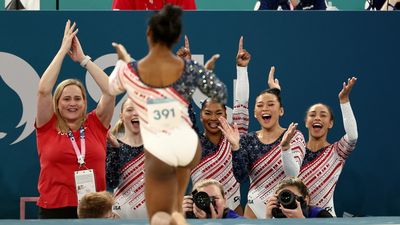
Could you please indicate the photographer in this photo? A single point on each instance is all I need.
(291, 200)
(207, 201)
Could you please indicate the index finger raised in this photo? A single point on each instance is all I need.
(187, 42)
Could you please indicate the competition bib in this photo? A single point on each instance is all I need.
(163, 114)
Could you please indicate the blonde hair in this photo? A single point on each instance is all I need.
(208, 182)
(119, 127)
(61, 124)
(95, 205)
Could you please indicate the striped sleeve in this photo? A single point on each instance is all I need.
(344, 147)
(349, 122)
(293, 158)
(241, 117)
(115, 80)
(241, 105)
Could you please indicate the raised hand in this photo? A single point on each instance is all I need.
(346, 89)
(76, 52)
(230, 132)
(184, 51)
(112, 140)
(210, 64)
(122, 53)
(285, 143)
(272, 81)
(242, 57)
(69, 34)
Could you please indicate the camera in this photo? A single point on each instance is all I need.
(202, 200)
(288, 200)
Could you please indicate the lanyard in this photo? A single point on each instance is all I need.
(80, 155)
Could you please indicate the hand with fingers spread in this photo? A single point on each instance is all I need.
(285, 143)
(69, 34)
(122, 53)
(210, 64)
(184, 51)
(345, 92)
(243, 57)
(230, 132)
(272, 81)
(76, 52)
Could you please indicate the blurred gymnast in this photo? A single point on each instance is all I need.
(161, 85)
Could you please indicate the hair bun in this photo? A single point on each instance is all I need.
(166, 25)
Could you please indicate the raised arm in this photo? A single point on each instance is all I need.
(349, 121)
(293, 149)
(184, 51)
(47, 81)
(240, 157)
(105, 107)
(210, 85)
(115, 84)
(241, 104)
(272, 81)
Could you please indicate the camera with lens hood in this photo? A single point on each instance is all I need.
(288, 199)
(202, 200)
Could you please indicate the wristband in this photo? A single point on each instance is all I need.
(85, 61)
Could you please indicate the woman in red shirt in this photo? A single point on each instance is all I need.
(61, 121)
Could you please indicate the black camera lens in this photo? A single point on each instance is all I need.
(287, 199)
(202, 201)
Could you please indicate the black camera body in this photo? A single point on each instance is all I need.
(288, 200)
(202, 200)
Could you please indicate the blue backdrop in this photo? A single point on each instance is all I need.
(313, 52)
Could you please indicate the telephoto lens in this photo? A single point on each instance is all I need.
(288, 200)
(202, 200)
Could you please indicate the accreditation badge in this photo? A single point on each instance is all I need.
(84, 182)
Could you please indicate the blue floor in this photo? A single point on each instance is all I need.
(344, 221)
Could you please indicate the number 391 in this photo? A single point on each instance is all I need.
(163, 114)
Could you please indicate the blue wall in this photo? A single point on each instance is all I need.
(314, 52)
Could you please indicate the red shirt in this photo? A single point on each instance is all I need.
(58, 161)
(151, 4)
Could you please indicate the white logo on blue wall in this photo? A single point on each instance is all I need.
(23, 79)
